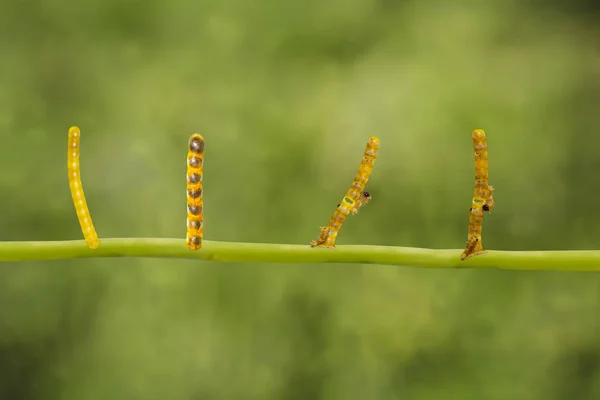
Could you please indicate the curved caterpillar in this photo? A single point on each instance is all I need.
(353, 199)
(483, 199)
(83, 213)
(195, 161)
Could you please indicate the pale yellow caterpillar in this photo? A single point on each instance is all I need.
(83, 213)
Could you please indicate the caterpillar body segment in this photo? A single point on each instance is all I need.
(81, 207)
(362, 200)
(354, 199)
(195, 161)
(482, 189)
(474, 245)
(366, 166)
(329, 233)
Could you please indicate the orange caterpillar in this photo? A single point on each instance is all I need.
(83, 213)
(353, 199)
(195, 160)
(483, 199)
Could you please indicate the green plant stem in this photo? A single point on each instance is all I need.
(283, 253)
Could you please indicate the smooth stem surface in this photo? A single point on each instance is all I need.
(282, 253)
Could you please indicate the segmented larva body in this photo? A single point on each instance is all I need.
(353, 199)
(474, 245)
(195, 159)
(83, 213)
(483, 199)
(482, 190)
(362, 200)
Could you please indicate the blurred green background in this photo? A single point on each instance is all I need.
(286, 94)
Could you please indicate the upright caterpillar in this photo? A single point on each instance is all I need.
(482, 190)
(353, 199)
(83, 213)
(483, 199)
(195, 160)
